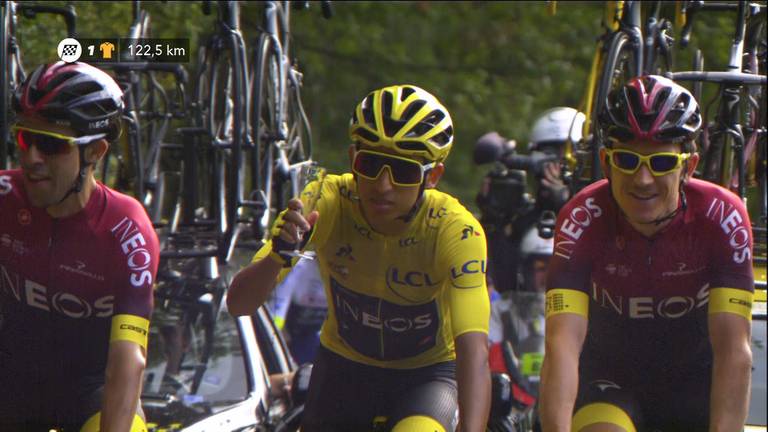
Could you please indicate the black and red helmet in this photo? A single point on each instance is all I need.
(76, 95)
(651, 109)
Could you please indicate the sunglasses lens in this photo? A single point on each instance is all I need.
(403, 172)
(45, 144)
(663, 163)
(368, 165)
(625, 161)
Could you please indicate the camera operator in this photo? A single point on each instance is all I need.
(508, 211)
(551, 131)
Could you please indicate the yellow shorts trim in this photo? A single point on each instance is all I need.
(130, 328)
(760, 295)
(418, 424)
(93, 424)
(731, 300)
(601, 413)
(567, 301)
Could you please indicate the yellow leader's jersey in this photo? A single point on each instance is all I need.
(397, 301)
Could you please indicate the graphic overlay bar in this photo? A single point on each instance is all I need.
(154, 50)
(103, 50)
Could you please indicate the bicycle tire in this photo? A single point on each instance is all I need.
(298, 143)
(265, 129)
(618, 68)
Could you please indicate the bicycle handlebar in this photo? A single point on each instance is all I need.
(691, 7)
(718, 77)
(67, 12)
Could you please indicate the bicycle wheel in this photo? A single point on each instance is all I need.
(619, 67)
(298, 143)
(265, 109)
(222, 113)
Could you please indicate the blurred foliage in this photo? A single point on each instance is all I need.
(495, 65)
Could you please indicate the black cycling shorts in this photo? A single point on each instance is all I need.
(346, 396)
(652, 406)
(41, 406)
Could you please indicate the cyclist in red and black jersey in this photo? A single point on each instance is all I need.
(77, 263)
(650, 286)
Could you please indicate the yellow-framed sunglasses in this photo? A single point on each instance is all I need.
(403, 171)
(47, 142)
(658, 164)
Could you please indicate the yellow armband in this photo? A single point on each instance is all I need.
(731, 300)
(567, 301)
(131, 328)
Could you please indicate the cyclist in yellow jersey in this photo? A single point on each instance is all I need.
(403, 267)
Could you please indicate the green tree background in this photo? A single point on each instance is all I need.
(495, 65)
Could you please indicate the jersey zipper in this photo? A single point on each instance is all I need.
(378, 312)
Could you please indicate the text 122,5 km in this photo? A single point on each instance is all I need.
(155, 50)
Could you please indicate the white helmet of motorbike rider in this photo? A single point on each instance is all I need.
(551, 131)
(534, 255)
(554, 127)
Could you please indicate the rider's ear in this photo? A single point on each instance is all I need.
(96, 150)
(434, 175)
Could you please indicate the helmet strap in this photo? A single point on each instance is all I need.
(417, 205)
(681, 208)
(77, 186)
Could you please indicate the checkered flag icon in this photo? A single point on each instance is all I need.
(69, 50)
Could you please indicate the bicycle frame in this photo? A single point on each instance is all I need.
(719, 162)
(622, 52)
(12, 72)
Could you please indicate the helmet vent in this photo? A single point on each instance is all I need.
(443, 137)
(366, 135)
(407, 91)
(411, 146)
(59, 79)
(412, 110)
(368, 111)
(434, 118)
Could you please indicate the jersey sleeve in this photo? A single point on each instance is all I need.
(731, 273)
(463, 256)
(569, 269)
(137, 256)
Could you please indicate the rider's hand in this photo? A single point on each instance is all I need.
(290, 227)
(551, 178)
(553, 189)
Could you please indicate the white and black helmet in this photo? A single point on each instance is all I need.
(556, 126)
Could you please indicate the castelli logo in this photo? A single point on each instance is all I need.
(25, 217)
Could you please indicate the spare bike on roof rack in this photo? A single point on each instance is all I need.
(12, 72)
(213, 160)
(733, 142)
(279, 125)
(630, 46)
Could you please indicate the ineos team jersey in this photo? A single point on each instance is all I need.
(397, 301)
(71, 285)
(647, 298)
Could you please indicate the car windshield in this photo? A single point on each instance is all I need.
(195, 357)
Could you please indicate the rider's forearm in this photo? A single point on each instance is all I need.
(125, 369)
(559, 385)
(473, 377)
(251, 286)
(730, 389)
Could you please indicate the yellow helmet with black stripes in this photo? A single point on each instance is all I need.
(404, 118)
